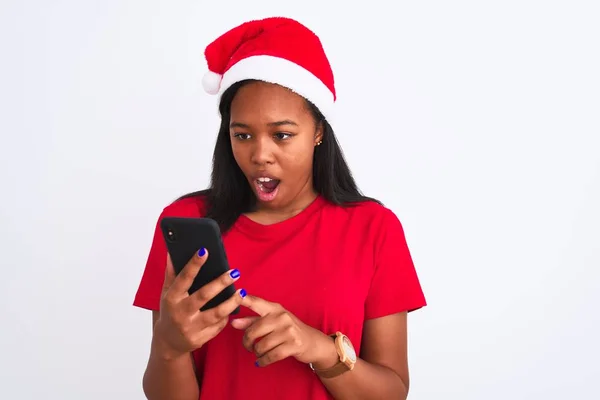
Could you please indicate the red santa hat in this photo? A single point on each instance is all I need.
(276, 50)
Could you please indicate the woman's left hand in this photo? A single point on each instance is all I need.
(283, 335)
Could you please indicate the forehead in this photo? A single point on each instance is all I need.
(265, 101)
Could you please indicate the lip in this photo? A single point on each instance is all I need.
(259, 189)
(264, 175)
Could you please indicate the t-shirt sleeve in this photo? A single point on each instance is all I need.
(150, 287)
(395, 286)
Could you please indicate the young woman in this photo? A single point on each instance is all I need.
(324, 275)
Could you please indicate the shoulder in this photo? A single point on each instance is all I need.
(370, 219)
(367, 211)
(193, 205)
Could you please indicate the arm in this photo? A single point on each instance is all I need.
(169, 378)
(181, 327)
(382, 369)
(381, 372)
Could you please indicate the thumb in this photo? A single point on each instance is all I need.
(243, 323)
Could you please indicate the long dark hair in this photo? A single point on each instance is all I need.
(230, 195)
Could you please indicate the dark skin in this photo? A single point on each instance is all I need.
(272, 132)
(180, 328)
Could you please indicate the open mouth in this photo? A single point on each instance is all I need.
(266, 188)
(267, 185)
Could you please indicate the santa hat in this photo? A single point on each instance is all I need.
(276, 50)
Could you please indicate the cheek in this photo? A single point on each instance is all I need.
(240, 156)
(238, 152)
(299, 158)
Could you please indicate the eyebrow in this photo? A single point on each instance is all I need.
(276, 123)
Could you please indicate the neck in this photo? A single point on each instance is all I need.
(294, 207)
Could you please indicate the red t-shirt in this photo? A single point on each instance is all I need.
(332, 267)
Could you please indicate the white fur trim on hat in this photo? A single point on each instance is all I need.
(285, 73)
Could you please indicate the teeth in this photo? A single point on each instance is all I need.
(264, 179)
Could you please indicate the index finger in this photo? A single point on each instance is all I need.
(260, 306)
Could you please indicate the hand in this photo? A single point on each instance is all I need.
(283, 335)
(181, 327)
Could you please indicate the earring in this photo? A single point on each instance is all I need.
(319, 142)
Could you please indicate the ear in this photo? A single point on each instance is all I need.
(319, 133)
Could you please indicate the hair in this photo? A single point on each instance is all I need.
(230, 195)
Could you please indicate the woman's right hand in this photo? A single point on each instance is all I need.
(181, 327)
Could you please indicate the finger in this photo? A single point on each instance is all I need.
(260, 306)
(185, 278)
(259, 329)
(169, 274)
(243, 323)
(269, 342)
(203, 295)
(223, 310)
(278, 353)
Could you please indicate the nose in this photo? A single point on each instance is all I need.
(262, 151)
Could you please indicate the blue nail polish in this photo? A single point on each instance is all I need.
(243, 293)
(234, 274)
(202, 252)
(256, 363)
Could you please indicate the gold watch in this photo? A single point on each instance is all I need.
(347, 357)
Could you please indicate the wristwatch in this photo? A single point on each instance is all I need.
(347, 355)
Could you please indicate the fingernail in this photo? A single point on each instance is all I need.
(201, 252)
(256, 363)
(234, 274)
(243, 293)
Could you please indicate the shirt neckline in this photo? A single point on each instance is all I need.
(256, 229)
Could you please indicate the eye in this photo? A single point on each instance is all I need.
(283, 135)
(242, 136)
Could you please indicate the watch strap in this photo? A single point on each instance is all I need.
(334, 371)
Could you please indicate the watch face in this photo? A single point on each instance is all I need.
(349, 350)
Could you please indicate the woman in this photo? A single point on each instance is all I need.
(327, 272)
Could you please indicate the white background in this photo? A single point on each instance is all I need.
(477, 122)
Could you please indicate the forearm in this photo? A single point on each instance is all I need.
(168, 377)
(365, 381)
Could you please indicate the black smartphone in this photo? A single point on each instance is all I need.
(184, 237)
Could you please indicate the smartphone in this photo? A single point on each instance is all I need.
(184, 237)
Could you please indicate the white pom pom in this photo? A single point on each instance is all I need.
(211, 82)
